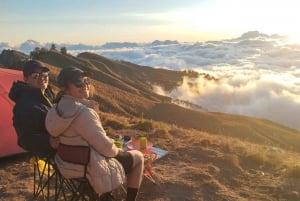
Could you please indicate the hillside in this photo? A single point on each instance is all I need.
(212, 156)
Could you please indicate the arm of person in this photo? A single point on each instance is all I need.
(54, 142)
(32, 134)
(89, 126)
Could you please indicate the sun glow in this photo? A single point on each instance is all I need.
(271, 17)
(294, 38)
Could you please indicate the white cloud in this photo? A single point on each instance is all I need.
(260, 94)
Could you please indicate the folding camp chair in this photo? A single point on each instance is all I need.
(80, 187)
(44, 176)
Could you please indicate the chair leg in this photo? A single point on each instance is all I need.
(64, 188)
(59, 187)
(39, 180)
(42, 177)
(83, 191)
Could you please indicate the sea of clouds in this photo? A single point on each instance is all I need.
(258, 74)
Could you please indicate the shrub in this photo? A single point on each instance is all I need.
(256, 159)
(115, 124)
(294, 172)
(161, 131)
(144, 125)
(274, 160)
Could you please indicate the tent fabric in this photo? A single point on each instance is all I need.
(8, 136)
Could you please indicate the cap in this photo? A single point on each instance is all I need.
(70, 75)
(32, 66)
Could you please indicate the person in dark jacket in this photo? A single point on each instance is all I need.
(33, 97)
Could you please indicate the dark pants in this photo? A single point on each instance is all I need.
(126, 160)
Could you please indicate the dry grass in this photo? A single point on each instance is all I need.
(199, 166)
(143, 125)
(115, 124)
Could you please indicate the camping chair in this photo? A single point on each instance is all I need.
(44, 176)
(48, 182)
(80, 187)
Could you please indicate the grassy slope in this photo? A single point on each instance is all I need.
(12, 59)
(242, 127)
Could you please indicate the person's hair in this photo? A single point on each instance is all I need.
(59, 95)
(92, 90)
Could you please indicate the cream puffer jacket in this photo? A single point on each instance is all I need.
(78, 124)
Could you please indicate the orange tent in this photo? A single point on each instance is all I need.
(8, 136)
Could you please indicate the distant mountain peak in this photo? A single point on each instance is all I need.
(253, 34)
(165, 42)
(31, 42)
(120, 45)
(29, 45)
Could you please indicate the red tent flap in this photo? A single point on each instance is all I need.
(8, 137)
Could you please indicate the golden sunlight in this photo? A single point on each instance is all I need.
(294, 37)
(271, 17)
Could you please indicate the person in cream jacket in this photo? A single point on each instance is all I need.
(75, 121)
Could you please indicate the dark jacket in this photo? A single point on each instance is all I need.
(29, 115)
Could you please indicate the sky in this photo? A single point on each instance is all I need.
(99, 21)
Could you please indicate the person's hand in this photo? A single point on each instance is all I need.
(94, 105)
(54, 142)
(120, 151)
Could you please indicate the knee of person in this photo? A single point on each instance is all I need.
(141, 157)
(138, 157)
